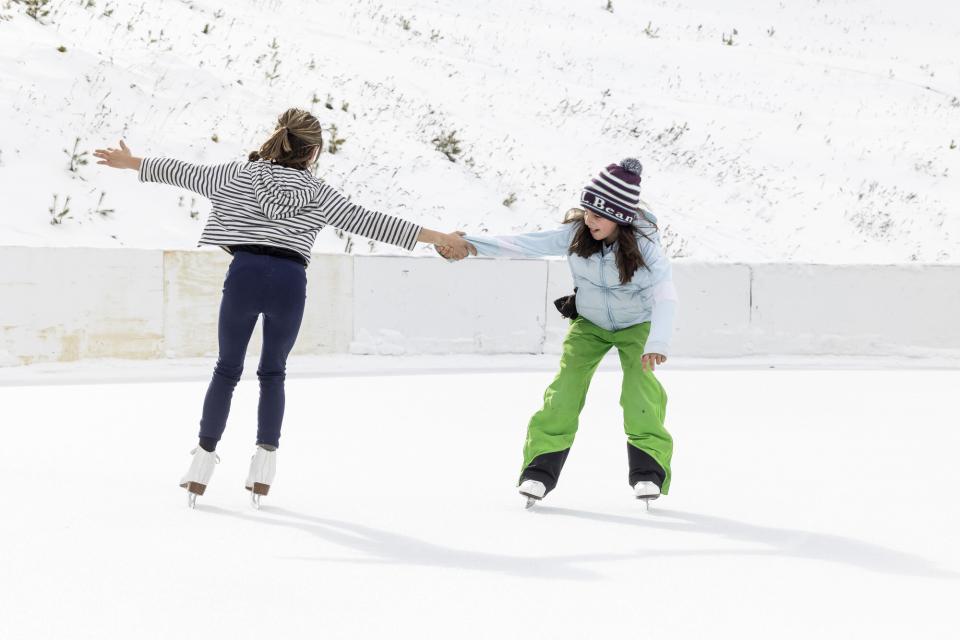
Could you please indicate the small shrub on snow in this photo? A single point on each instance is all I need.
(448, 145)
(100, 209)
(335, 141)
(77, 158)
(36, 9)
(57, 213)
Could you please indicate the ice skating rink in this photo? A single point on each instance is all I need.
(806, 503)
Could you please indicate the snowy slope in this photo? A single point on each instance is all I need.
(826, 131)
(398, 518)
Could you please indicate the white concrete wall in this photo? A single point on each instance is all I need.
(67, 304)
(848, 310)
(424, 305)
(193, 283)
(713, 316)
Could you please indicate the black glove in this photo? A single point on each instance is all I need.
(567, 306)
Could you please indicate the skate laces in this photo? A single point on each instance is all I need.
(216, 456)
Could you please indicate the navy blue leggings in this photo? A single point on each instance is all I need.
(255, 284)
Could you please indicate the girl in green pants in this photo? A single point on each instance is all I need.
(624, 298)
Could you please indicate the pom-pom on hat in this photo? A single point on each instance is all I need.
(615, 193)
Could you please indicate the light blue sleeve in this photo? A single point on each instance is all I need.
(538, 244)
(664, 295)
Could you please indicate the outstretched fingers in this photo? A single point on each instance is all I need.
(118, 158)
(104, 155)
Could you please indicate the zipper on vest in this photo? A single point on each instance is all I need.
(606, 290)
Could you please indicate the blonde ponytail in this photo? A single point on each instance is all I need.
(292, 144)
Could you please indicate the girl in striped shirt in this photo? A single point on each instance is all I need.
(267, 213)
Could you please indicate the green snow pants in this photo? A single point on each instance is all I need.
(551, 430)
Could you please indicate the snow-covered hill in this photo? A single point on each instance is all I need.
(807, 131)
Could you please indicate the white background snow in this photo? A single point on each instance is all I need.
(826, 132)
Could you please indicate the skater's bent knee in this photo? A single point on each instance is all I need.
(272, 376)
(229, 372)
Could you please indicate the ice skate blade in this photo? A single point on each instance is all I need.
(255, 501)
(194, 489)
(646, 501)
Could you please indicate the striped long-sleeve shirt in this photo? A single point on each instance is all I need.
(263, 203)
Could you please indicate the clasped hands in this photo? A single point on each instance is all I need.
(454, 247)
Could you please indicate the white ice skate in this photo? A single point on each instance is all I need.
(533, 491)
(646, 491)
(198, 476)
(263, 466)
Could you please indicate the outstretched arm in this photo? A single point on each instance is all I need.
(203, 179)
(539, 244)
(331, 208)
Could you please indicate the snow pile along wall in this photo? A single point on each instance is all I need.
(68, 304)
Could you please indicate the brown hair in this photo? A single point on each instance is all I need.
(292, 144)
(629, 257)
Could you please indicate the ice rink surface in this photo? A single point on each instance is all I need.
(805, 503)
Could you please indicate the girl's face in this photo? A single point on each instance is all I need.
(600, 228)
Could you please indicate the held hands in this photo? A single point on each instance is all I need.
(453, 247)
(120, 158)
(652, 360)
